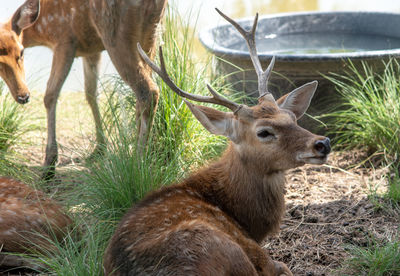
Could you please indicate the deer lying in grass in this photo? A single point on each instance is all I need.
(83, 28)
(212, 222)
(29, 221)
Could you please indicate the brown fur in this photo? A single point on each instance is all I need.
(84, 28)
(212, 222)
(29, 220)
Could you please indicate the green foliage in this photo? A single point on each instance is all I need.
(80, 252)
(125, 173)
(175, 128)
(370, 114)
(14, 124)
(375, 260)
(12, 118)
(393, 192)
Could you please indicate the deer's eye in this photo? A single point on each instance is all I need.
(264, 133)
(21, 55)
(3, 52)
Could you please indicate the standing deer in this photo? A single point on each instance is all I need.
(213, 221)
(83, 28)
(29, 221)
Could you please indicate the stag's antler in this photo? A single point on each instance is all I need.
(249, 36)
(162, 72)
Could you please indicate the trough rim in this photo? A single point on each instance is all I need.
(207, 39)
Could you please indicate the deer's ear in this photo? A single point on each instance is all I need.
(215, 121)
(299, 99)
(25, 16)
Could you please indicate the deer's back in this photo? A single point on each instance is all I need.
(64, 23)
(28, 217)
(175, 232)
(86, 24)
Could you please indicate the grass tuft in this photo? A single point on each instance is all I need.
(12, 118)
(80, 252)
(393, 192)
(175, 129)
(375, 260)
(370, 114)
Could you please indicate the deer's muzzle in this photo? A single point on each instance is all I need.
(23, 99)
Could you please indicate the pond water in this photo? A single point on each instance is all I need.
(320, 43)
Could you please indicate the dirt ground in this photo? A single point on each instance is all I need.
(327, 206)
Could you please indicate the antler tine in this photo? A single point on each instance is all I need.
(218, 99)
(162, 72)
(249, 36)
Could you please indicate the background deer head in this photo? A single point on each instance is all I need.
(12, 51)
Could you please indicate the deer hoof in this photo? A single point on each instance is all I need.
(281, 269)
(98, 151)
(49, 173)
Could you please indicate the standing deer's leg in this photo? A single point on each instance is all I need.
(138, 76)
(120, 40)
(146, 105)
(91, 70)
(63, 57)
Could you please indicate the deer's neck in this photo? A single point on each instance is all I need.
(249, 193)
(30, 38)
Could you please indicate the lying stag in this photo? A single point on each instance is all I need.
(212, 222)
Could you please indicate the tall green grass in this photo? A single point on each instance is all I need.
(370, 114)
(81, 251)
(175, 128)
(12, 120)
(124, 173)
(14, 124)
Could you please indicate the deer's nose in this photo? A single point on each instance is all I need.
(323, 146)
(23, 99)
